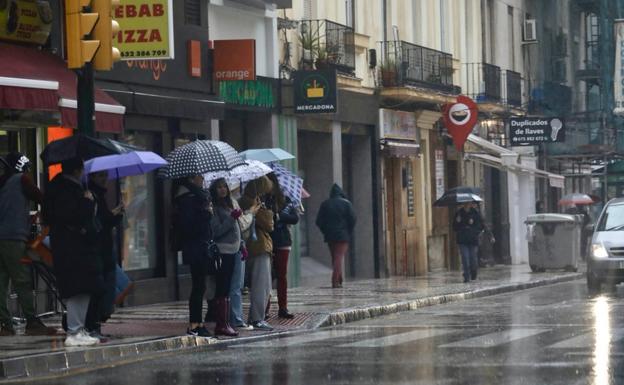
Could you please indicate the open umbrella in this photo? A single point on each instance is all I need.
(578, 199)
(128, 164)
(458, 196)
(252, 169)
(290, 183)
(267, 155)
(200, 157)
(81, 146)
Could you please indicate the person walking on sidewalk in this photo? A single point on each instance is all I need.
(17, 190)
(286, 215)
(227, 235)
(69, 210)
(336, 220)
(468, 225)
(260, 250)
(101, 308)
(192, 215)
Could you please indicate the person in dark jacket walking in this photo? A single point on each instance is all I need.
(192, 224)
(17, 190)
(101, 308)
(69, 210)
(468, 225)
(336, 220)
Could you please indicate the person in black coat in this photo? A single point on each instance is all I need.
(69, 210)
(468, 224)
(101, 307)
(193, 213)
(336, 220)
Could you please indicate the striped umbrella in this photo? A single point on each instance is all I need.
(290, 183)
(200, 157)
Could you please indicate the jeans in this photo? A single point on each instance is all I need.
(77, 307)
(338, 250)
(236, 301)
(470, 260)
(12, 269)
(224, 275)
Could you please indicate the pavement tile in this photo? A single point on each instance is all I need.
(138, 332)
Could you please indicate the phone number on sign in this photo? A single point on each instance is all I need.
(147, 53)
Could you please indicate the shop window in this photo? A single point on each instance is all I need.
(139, 241)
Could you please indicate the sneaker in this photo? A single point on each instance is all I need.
(284, 313)
(199, 331)
(80, 339)
(103, 338)
(244, 326)
(6, 330)
(262, 326)
(34, 327)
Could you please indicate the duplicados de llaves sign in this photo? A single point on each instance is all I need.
(255, 93)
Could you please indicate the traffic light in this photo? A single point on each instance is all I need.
(104, 31)
(79, 24)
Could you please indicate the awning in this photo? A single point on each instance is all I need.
(31, 79)
(495, 159)
(400, 149)
(155, 101)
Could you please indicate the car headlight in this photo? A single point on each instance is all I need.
(599, 251)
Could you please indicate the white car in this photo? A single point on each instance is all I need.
(605, 263)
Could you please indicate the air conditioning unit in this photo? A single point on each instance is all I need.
(530, 30)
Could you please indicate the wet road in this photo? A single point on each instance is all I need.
(551, 335)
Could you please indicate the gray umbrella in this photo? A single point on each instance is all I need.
(200, 157)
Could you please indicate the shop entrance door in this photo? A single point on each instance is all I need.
(402, 229)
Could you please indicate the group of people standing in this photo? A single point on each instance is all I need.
(251, 233)
(81, 226)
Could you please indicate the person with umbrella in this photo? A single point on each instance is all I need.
(101, 307)
(69, 210)
(468, 225)
(17, 190)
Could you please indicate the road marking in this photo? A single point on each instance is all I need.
(494, 339)
(397, 339)
(586, 340)
(302, 339)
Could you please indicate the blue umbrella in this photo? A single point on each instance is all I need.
(267, 155)
(128, 164)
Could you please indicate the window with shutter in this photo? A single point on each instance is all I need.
(192, 12)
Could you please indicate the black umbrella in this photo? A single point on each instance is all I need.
(458, 196)
(79, 146)
(200, 157)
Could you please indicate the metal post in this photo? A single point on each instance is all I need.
(86, 100)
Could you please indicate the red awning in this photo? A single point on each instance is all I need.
(31, 79)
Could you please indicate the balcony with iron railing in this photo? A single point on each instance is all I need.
(326, 44)
(407, 64)
(483, 82)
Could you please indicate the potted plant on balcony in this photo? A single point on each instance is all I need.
(388, 71)
(326, 56)
(310, 41)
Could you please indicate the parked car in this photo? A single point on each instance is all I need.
(605, 263)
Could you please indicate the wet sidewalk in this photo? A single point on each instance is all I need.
(143, 331)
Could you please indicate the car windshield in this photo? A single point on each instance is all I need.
(612, 219)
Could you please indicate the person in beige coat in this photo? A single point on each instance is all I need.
(260, 250)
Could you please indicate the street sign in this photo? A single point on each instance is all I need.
(533, 131)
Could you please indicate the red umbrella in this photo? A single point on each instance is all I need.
(576, 199)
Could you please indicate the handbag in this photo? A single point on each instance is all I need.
(212, 257)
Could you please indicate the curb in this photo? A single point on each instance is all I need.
(74, 360)
(352, 315)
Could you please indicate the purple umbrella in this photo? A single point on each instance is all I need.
(128, 164)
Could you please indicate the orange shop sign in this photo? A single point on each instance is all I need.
(235, 59)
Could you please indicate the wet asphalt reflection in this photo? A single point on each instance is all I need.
(552, 335)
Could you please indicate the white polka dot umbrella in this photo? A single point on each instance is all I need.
(200, 157)
(252, 169)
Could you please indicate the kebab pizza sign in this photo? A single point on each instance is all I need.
(145, 29)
